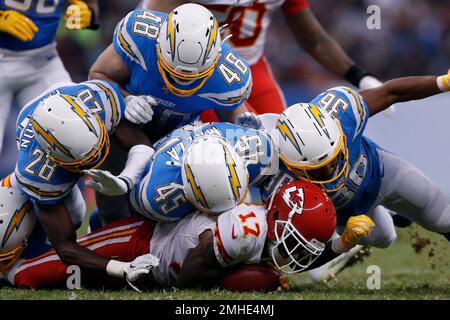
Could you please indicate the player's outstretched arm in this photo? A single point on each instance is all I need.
(401, 90)
(200, 267)
(110, 67)
(58, 226)
(318, 43)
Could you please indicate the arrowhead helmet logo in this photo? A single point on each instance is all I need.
(294, 198)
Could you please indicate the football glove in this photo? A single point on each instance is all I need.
(138, 109)
(78, 15)
(133, 271)
(357, 228)
(107, 183)
(17, 25)
(443, 82)
(248, 120)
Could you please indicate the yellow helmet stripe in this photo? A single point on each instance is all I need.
(317, 115)
(212, 39)
(51, 140)
(75, 107)
(16, 221)
(171, 34)
(233, 176)
(195, 188)
(286, 133)
(114, 108)
(319, 118)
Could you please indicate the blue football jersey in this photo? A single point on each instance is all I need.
(363, 183)
(38, 176)
(45, 14)
(159, 194)
(135, 41)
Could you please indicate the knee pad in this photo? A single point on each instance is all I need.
(385, 241)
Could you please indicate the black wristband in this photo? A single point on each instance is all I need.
(127, 182)
(354, 74)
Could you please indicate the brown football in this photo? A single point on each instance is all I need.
(251, 277)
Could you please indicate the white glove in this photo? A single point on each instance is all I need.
(106, 183)
(369, 82)
(133, 271)
(138, 109)
(140, 266)
(248, 120)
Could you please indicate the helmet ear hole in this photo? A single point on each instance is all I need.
(275, 215)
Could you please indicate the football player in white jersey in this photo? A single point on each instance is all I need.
(294, 233)
(249, 21)
(29, 62)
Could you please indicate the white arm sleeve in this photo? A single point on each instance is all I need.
(138, 158)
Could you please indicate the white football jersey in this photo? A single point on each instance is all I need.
(239, 237)
(248, 23)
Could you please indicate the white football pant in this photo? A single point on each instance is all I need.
(405, 190)
(25, 75)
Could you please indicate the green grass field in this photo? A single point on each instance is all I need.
(405, 274)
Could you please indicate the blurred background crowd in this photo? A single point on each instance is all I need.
(414, 39)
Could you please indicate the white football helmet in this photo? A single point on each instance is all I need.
(73, 137)
(188, 49)
(215, 178)
(309, 138)
(16, 224)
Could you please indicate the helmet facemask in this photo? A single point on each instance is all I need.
(168, 74)
(291, 252)
(187, 51)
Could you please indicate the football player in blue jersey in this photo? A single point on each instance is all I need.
(60, 135)
(171, 67)
(28, 58)
(180, 60)
(208, 167)
(323, 142)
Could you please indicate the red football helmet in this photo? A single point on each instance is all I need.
(301, 219)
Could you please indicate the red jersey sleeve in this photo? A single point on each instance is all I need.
(291, 7)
